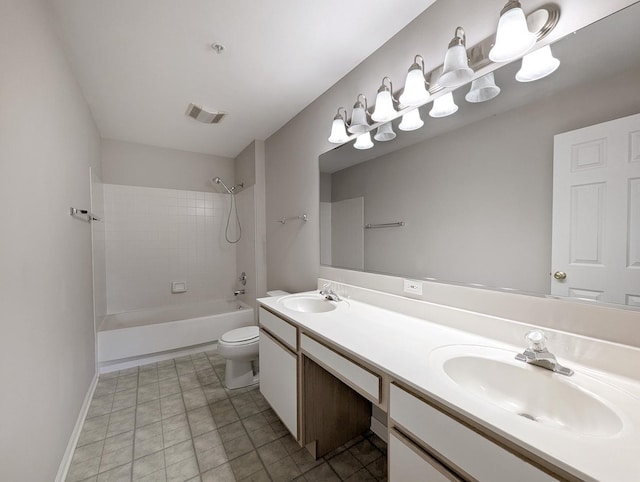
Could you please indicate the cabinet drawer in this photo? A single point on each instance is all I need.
(463, 448)
(286, 332)
(408, 462)
(363, 381)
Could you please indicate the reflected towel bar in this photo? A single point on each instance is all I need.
(384, 225)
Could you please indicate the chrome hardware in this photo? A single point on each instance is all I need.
(84, 214)
(238, 292)
(537, 354)
(304, 219)
(560, 275)
(398, 224)
(329, 294)
(243, 279)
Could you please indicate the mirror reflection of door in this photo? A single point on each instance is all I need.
(596, 212)
(347, 233)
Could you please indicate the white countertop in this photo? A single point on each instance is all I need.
(402, 347)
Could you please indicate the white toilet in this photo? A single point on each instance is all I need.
(240, 348)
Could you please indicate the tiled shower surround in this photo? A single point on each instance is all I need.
(156, 236)
(174, 421)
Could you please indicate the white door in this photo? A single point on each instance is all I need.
(596, 212)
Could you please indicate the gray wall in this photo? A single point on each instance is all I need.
(141, 165)
(292, 179)
(478, 201)
(250, 256)
(48, 142)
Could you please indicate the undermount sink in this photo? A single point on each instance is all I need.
(578, 404)
(309, 303)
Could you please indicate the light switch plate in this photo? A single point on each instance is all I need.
(413, 287)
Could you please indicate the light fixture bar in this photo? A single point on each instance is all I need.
(540, 22)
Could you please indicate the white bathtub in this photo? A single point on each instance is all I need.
(137, 333)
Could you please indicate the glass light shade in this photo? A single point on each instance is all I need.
(537, 65)
(338, 132)
(456, 67)
(385, 133)
(411, 121)
(513, 38)
(384, 110)
(363, 141)
(443, 106)
(483, 89)
(359, 122)
(415, 90)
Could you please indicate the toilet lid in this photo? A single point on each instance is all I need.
(238, 335)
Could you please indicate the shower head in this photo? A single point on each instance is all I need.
(217, 180)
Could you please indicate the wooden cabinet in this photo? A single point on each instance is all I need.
(306, 389)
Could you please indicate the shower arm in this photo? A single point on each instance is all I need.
(218, 180)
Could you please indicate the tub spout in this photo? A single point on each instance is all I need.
(238, 292)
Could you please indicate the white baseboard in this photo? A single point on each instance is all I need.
(73, 440)
(124, 363)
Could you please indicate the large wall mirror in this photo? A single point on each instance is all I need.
(469, 198)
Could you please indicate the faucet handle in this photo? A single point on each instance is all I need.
(537, 340)
(326, 288)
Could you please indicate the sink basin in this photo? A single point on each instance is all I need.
(577, 404)
(308, 303)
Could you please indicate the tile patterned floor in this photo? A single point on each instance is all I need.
(174, 421)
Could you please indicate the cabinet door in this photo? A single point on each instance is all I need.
(278, 381)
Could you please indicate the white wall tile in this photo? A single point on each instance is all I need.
(155, 236)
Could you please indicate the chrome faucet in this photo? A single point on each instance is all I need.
(537, 354)
(238, 292)
(329, 294)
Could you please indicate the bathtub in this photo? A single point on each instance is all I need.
(144, 332)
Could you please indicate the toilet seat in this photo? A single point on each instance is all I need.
(241, 336)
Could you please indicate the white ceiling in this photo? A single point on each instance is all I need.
(141, 62)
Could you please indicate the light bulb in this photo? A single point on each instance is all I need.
(513, 38)
(411, 121)
(537, 65)
(443, 106)
(483, 89)
(385, 133)
(415, 88)
(363, 141)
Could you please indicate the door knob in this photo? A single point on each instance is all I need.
(560, 275)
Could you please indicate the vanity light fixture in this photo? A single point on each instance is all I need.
(513, 38)
(384, 110)
(483, 89)
(443, 106)
(411, 121)
(385, 133)
(363, 141)
(537, 65)
(339, 128)
(456, 64)
(359, 122)
(415, 86)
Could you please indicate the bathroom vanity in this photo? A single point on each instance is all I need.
(458, 404)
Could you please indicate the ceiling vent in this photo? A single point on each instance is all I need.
(204, 116)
